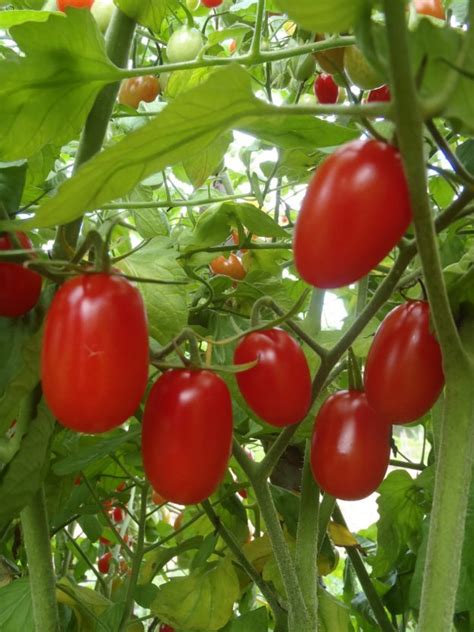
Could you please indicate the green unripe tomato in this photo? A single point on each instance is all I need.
(304, 67)
(50, 5)
(359, 71)
(193, 5)
(102, 11)
(184, 45)
(308, 100)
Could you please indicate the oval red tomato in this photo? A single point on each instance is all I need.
(278, 387)
(434, 8)
(231, 267)
(187, 435)
(326, 89)
(350, 446)
(355, 210)
(136, 89)
(104, 563)
(379, 94)
(404, 371)
(95, 352)
(77, 4)
(20, 288)
(166, 628)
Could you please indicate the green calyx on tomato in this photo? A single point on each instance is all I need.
(356, 209)
(187, 435)
(359, 70)
(278, 387)
(184, 45)
(94, 362)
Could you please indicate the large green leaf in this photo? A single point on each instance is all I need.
(326, 16)
(16, 610)
(47, 93)
(149, 13)
(12, 182)
(253, 621)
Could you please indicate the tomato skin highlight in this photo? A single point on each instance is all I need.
(95, 352)
(231, 267)
(136, 89)
(77, 4)
(381, 94)
(350, 446)
(433, 8)
(187, 435)
(356, 209)
(278, 387)
(404, 371)
(326, 89)
(20, 288)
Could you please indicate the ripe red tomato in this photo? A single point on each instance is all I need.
(20, 288)
(404, 372)
(356, 209)
(434, 8)
(211, 4)
(104, 563)
(95, 352)
(187, 435)
(379, 94)
(117, 514)
(326, 89)
(231, 267)
(350, 447)
(166, 628)
(278, 387)
(105, 541)
(136, 89)
(77, 4)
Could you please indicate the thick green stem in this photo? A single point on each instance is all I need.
(307, 539)
(325, 511)
(35, 527)
(454, 463)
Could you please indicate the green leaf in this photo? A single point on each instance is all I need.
(325, 16)
(149, 13)
(23, 476)
(16, 609)
(334, 615)
(13, 18)
(253, 621)
(47, 94)
(156, 559)
(202, 601)
(401, 515)
(12, 182)
(199, 168)
(91, 527)
(152, 222)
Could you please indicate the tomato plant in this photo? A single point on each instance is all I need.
(433, 8)
(330, 61)
(184, 45)
(404, 372)
(20, 288)
(379, 94)
(326, 89)
(117, 514)
(77, 4)
(94, 362)
(278, 387)
(137, 89)
(359, 70)
(211, 4)
(350, 446)
(231, 267)
(104, 563)
(373, 207)
(188, 414)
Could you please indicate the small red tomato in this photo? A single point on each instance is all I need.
(356, 209)
(105, 541)
(326, 89)
(117, 514)
(95, 352)
(121, 486)
(243, 493)
(231, 267)
(104, 563)
(379, 94)
(77, 4)
(404, 371)
(232, 48)
(187, 435)
(166, 628)
(434, 8)
(211, 4)
(78, 480)
(278, 387)
(350, 446)
(20, 288)
(136, 89)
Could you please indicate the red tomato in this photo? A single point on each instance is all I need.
(350, 447)
(278, 387)
(355, 211)
(434, 8)
(211, 4)
(326, 89)
(95, 352)
(231, 267)
(77, 4)
(121, 486)
(105, 541)
(117, 514)
(404, 371)
(232, 48)
(166, 628)
(20, 288)
(136, 89)
(243, 493)
(187, 435)
(379, 94)
(104, 563)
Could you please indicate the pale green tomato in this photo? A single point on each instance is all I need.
(184, 45)
(303, 67)
(50, 5)
(102, 11)
(193, 5)
(308, 100)
(359, 71)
